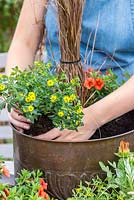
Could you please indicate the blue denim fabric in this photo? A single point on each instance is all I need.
(114, 42)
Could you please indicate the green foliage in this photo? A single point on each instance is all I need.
(36, 91)
(29, 186)
(118, 184)
(9, 12)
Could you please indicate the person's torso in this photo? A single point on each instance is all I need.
(113, 23)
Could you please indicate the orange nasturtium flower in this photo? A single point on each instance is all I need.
(99, 83)
(124, 147)
(89, 83)
(5, 171)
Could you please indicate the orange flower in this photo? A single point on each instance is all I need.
(41, 193)
(124, 147)
(89, 83)
(43, 184)
(99, 83)
(5, 171)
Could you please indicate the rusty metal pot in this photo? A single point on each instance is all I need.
(65, 163)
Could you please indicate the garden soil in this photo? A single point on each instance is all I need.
(118, 126)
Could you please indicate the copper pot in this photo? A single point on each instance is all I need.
(65, 163)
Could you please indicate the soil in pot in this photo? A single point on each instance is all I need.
(42, 125)
(118, 126)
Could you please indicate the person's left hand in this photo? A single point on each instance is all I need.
(83, 133)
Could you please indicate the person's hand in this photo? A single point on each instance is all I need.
(83, 133)
(18, 120)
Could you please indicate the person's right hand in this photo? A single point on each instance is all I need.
(18, 120)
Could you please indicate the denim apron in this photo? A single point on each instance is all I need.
(107, 39)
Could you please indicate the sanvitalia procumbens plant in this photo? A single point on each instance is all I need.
(36, 91)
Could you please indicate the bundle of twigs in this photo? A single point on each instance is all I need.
(70, 18)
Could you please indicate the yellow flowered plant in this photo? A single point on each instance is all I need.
(60, 113)
(53, 98)
(37, 91)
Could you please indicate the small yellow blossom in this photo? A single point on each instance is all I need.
(30, 108)
(78, 190)
(32, 98)
(1, 75)
(72, 97)
(21, 94)
(37, 63)
(66, 99)
(73, 81)
(2, 86)
(77, 123)
(50, 83)
(31, 94)
(60, 113)
(120, 198)
(41, 71)
(25, 110)
(53, 98)
(79, 110)
(55, 79)
(27, 99)
(48, 65)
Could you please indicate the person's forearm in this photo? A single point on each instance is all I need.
(19, 55)
(114, 105)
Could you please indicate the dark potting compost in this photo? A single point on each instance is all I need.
(42, 125)
(117, 126)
